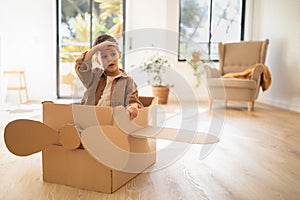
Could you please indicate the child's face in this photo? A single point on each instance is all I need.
(109, 59)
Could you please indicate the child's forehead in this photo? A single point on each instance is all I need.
(109, 50)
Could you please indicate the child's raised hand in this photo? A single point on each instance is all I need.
(106, 44)
(99, 47)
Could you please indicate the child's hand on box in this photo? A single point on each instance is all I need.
(133, 112)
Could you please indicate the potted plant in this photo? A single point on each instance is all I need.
(156, 66)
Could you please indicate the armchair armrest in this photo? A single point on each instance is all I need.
(211, 72)
(256, 72)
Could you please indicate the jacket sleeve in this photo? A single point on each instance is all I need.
(83, 69)
(132, 98)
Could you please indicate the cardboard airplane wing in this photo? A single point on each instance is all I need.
(128, 126)
(24, 137)
(74, 138)
(178, 135)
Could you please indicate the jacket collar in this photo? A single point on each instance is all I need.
(123, 74)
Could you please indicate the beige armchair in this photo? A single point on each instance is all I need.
(245, 59)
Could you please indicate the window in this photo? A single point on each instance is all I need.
(204, 23)
(79, 22)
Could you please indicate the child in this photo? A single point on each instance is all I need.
(111, 86)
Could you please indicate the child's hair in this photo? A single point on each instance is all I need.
(104, 37)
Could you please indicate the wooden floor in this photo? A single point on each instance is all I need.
(257, 158)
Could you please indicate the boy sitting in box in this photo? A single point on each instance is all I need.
(109, 86)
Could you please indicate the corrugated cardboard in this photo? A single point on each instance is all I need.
(75, 167)
(71, 140)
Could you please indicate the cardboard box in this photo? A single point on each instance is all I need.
(76, 167)
(94, 148)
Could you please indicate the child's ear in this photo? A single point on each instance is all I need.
(120, 54)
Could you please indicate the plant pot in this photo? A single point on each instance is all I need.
(162, 93)
(196, 56)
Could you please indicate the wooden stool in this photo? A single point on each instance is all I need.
(22, 83)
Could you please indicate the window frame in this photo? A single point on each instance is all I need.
(242, 33)
(58, 42)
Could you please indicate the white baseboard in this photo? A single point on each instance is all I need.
(276, 103)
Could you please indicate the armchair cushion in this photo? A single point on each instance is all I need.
(232, 82)
(254, 72)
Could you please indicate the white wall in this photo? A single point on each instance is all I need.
(157, 22)
(280, 22)
(27, 33)
(28, 37)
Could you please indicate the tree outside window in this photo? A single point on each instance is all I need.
(204, 23)
(79, 22)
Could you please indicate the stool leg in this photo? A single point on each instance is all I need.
(20, 88)
(25, 87)
(22, 83)
(20, 96)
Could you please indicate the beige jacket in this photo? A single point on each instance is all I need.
(123, 92)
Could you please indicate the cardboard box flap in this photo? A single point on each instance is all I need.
(57, 116)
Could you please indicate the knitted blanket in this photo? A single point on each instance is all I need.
(247, 74)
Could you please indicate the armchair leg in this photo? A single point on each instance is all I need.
(210, 104)
(250, 106)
